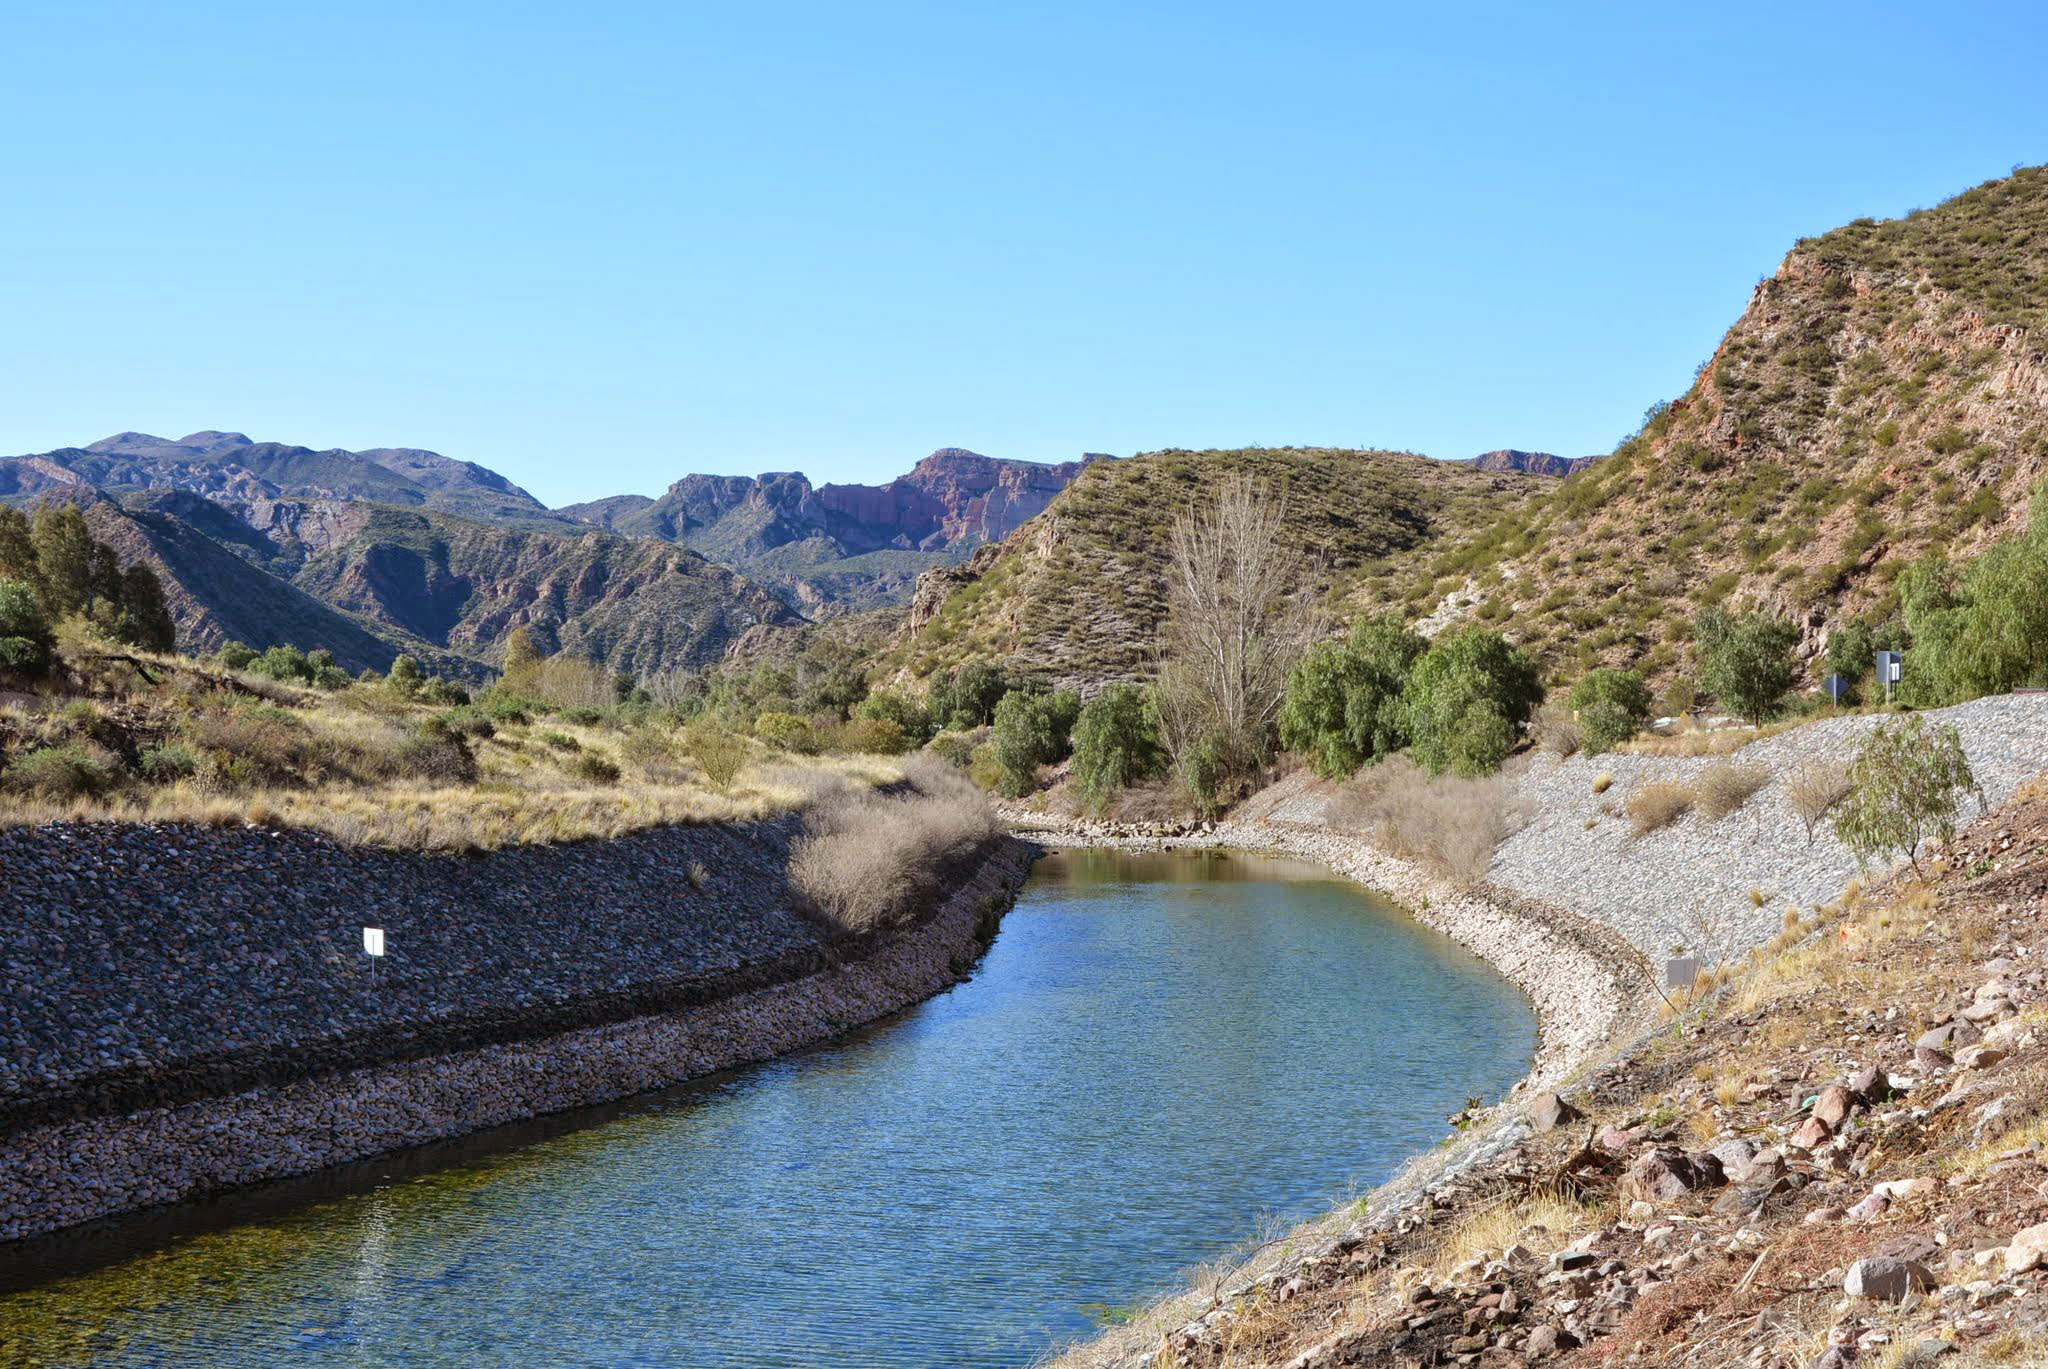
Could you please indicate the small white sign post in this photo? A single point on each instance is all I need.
(373, 946)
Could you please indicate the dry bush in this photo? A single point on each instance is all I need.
(1553, 729)
(1724, 787)
(1603, 781)
(1814, 790)
(1152, 801)
(1452, 825)
(1658, 804)
(868, 860)
(718, 751)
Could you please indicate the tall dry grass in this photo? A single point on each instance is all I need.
(1725, 786)
(1449, 824)
(1815, 789)
(869, 859)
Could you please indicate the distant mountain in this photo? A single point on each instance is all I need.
(843, 547)
(374, 553)
(1529, 463)
(230, 467)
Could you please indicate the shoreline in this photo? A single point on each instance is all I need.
(60, 1174)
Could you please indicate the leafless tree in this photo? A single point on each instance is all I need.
(1238, 618)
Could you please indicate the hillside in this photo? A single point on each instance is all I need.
(1885, 393)
(842, 547)
(1079, 593)
(637, 606)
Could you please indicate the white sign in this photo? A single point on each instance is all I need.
(1680, 972)
(373, 940)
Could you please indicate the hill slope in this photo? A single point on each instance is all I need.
(1079, 593)
(1885, 393)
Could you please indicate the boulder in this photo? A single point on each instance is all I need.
(1833, 1105)
(2029, 1250)
(1870, 1085)
(1549, 1112)
(1666, 1173)
(1810, 1134)
(1887, 1279)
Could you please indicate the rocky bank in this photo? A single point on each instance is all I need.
(189, 1009)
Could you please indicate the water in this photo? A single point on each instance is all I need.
(1158, 1054)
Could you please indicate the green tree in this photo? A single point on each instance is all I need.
(1748, 660)
(17, 551)
(1906, 785)
(1466, 701)
(1612, 706)
(1116, 743)
(406, 676)
(26, 642)
(1343, 704)
(146, 619)
(522, 661)
(1981, 629)
(967, 698)
(63, 548)
(236, 655)
(1031, 729)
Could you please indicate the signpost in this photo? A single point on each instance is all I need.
(373, 946)
(1836, 687)
(1890, 669)
(1680, 972)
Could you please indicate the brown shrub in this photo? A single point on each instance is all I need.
(1726, 786)
(869, 860)
(1603, 781)
(1815, 788)
(1553, 729)
(718, 751)
(1449, 824)
(1658, 804)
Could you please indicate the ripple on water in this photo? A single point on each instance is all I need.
(1158, 1052)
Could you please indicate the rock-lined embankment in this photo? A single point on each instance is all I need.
(188, 1009)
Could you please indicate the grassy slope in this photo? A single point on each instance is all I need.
(1884, 393)
(1079, 593)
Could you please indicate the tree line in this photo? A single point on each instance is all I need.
(53, 570)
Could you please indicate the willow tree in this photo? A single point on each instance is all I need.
(1235, 626)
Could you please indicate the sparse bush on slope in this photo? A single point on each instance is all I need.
(869, 861)
(1449, 823)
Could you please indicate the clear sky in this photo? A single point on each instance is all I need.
(597, 246)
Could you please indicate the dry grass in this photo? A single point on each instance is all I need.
(1543, 1223)
(1659, 803)
(1603, 781)
(1452, 825)
(1724, 787)
(868, 859)
(371, 767)
(1695, 741)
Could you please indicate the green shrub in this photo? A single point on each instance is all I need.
(786, 730)
(169, 763)
(911, 717)
(59, 773)
(1466, 700)
(235, 655)
(559, 741)
(26, 642)
(595, 768)
(873, 736)
(1748, 661)
(955, 748)
(436, 756)
(1612, 706)
(1905, 786)
(1116, 743)
(472, 723)
(1983, 629)
(718, 751)
(1343, 704)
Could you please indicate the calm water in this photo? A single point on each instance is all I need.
(1158, 1053)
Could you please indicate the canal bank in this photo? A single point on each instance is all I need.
(189, 1009)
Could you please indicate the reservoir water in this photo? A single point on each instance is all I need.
(1158, 1054)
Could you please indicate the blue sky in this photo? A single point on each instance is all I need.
(599, 246)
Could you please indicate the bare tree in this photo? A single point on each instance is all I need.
(1237, 621)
